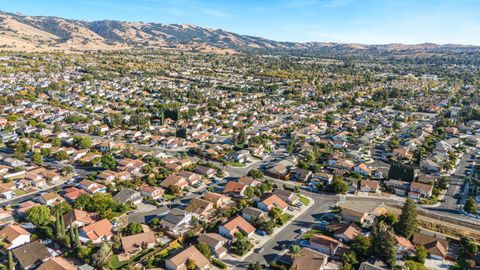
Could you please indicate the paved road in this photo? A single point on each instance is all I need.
(282, 240)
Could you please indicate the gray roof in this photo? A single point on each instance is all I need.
(126, 195)
(31, 254)
(146, 217)
(173, 218)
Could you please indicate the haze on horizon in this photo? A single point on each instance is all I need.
(345, 21)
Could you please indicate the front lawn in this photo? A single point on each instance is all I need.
(169, 197)
(304, 200)
(311, 232)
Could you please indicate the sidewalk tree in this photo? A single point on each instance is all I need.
(204, 249)
(338, 185)
(39, 215)
(470, 206)
(407, 222)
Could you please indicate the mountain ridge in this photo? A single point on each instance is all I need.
(20, 32)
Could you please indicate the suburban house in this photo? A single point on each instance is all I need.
(420, 190)
(398, 187)
(174, 180)
(234, 189)
(92, 187)
(133, 244)
(369, 186)
(310, 259)
(31, 255)
(206, 171)
(324, 244)
(351, 215)
(278, 171)
(217, 199)
(200, 207)
(251, 213)
(405, 248)
(362, 169)
(77, 218)
(247, 181)
(192, 178)
(287, 196)
(237, 224)
(344, 232)
(51, 198)
(72, 193)
(176, 221)
(128, 195)
(272, 201)
(436, 248)
(215, 242)
(96, 232)
(179, 260)
(301, 175)
(154, 193)
(14, 236)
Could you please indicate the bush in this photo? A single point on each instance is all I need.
(219, 263)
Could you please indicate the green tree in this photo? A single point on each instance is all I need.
(384, 244)
(467, 248)
(277, 215)
(204, 249)
(39, 215)
(470, 206)
(108, 162)
(37, 157)
(338, 185)
(362, 246)
(190, 264)
(413, 265)
(420, 254)
(84, 142)
(407, 222)
(255, 174)
(61, 155)
(132, 228)
(255, 266)
(295, 250)
(349, 260)
(78, 244)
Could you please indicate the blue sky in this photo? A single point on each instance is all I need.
(361, 21)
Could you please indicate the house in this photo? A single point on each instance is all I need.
(234, 189)
(351, 215)
(154, 193)
(301, 175)
(310, 259)
(287, 196)
(96, 232)
(324, 244)
(247, 181)
(128, 195)
(179, 260)
(436, 248)
(176, 221)
(192, 178)
(278, 171)
(174, 180)
(77, 218)
(398, 187)
(200, 207)
(250, 214)
(272, 201)
(405, 248)
(241, 156)
(73, 193)
(215, 242)
(237, 224)
(420, 190)
(323, 177)
(345, 232)
(369, 186)
(14, 236)
(206, 171)
(6, 217)
(92, 187)
(218, 200)
(133, 244)
(56, 263)
(30, 255)
(362, 169)
(51, 198)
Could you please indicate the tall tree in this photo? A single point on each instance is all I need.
(384, 245)
(470, 206)
(407, 223)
